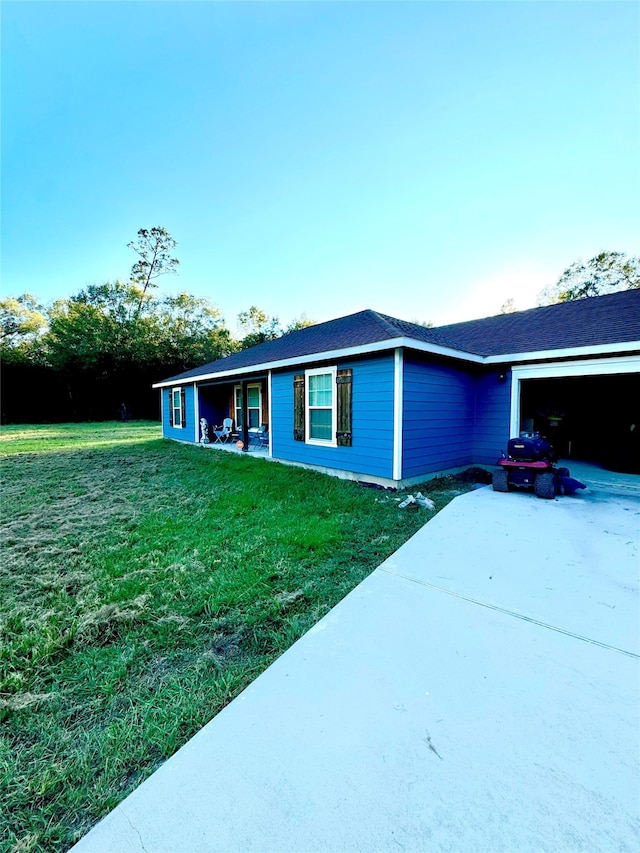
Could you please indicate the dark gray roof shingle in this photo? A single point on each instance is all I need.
(601, 320)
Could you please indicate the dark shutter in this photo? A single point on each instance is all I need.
(170, 407)
(298, 407)
(183, 409)
(344, 384)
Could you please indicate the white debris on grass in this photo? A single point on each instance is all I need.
(418, 499)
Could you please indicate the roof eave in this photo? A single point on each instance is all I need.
(567, 352)
(409, 343)
(329, 355)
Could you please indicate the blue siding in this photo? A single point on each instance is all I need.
(438, 416)
(186, 433)
(493, 410)
(453, 415)
(372, 424)
(213, 413)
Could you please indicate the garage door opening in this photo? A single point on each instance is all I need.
(588, 418)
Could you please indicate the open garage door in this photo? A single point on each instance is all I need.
(593, 417)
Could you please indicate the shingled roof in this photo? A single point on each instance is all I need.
(597, 321)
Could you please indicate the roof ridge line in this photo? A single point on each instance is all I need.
(383, 321)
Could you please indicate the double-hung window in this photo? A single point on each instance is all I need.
(177, 408)
(254, 406)
(321, 406)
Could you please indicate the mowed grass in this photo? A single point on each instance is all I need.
(143, 585)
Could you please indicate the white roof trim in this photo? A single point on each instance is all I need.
(569, 352)
(330, 355)
(410, 343)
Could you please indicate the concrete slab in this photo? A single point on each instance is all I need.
(454, 701)
(571, 563)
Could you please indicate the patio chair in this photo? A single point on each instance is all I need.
(223, 432)
(259, 437)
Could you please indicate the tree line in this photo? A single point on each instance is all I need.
(95, 354)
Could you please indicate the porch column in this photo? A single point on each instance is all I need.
(245, 416)
(196, 414)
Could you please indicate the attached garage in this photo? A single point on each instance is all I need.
(589, 409)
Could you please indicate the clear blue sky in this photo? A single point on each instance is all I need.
(426, 159)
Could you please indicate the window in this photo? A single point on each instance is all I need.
(321, 405)
(254, 406)
(177, 408)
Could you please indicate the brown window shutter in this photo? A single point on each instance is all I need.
(170, 407)
(298, 407)
(183, 408)
(344, 385)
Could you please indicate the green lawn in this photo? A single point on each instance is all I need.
(143, 584)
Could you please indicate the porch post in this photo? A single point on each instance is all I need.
(196, 413)
(245, 416)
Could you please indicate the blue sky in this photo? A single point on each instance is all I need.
(426, 159)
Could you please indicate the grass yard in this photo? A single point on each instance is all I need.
(143, 585)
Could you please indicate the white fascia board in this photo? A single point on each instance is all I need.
(331, 355)
(409, 343)
(569, 352)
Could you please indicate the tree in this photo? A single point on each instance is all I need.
(257, 327)
(508, 306)
(116, 320)
(607, 272)
(22, 320)
(153, 246)
(192, 332)
(301, 322)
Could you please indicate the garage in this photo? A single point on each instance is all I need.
(589, 410)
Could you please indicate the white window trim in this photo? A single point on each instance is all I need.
(177, 408)
(237, 388)
(320, 442)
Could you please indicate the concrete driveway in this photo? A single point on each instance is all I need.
(478, 692)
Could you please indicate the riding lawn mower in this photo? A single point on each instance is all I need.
(528, 464)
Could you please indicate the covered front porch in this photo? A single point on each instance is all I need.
(234, 414)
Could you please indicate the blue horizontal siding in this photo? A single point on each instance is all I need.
(493, 412)
(186, 433)
(453, 416)
(438, 416)
(371, 451)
